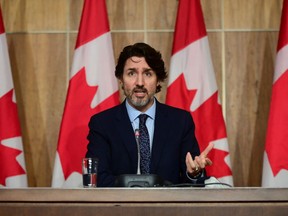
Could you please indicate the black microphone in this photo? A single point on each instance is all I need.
(137, 134)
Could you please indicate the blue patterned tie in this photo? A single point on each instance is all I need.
(144, 145)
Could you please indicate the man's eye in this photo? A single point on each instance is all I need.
(148, 74)
(131, 73)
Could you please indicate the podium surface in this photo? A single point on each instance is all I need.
(144, 201)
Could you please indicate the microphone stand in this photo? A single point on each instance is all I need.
(137, 134)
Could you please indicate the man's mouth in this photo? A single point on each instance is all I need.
(140, 92)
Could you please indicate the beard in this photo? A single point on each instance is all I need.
(139, 102)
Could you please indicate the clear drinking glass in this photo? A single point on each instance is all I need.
(89, 172)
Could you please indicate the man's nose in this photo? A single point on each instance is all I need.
(139, 80)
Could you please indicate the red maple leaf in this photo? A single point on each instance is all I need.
(219, 168)
(208, 120)
(9, 128)
(74, 129)
(277, 136)
(8, 164)
(178, 95)
(9, 121)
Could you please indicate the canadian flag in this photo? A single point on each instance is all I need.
(12, 162)
(192, 86)
(92, 88)
(275, 164)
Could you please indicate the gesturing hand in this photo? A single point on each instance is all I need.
(199, 162)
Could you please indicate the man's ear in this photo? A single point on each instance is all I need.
(120, 81)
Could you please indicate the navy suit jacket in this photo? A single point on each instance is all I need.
(112, 141)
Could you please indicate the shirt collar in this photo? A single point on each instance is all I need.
(134, 113)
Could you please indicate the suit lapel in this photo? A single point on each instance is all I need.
(127, 134)
(160, 138)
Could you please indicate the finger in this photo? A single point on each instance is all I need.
(200, 162)
(190, 164)
(208, 162)
(207, 149)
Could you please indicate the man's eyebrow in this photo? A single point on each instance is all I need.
(148, 69)
(131, 69)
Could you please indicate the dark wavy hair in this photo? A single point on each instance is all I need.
(152, 57)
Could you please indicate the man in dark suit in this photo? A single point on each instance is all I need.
(173, 151)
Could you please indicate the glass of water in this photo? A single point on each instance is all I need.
(89, 172)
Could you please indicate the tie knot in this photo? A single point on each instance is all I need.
(143, 118)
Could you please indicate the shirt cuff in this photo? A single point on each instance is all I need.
(194, 178)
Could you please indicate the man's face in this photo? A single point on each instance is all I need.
(139, 83)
